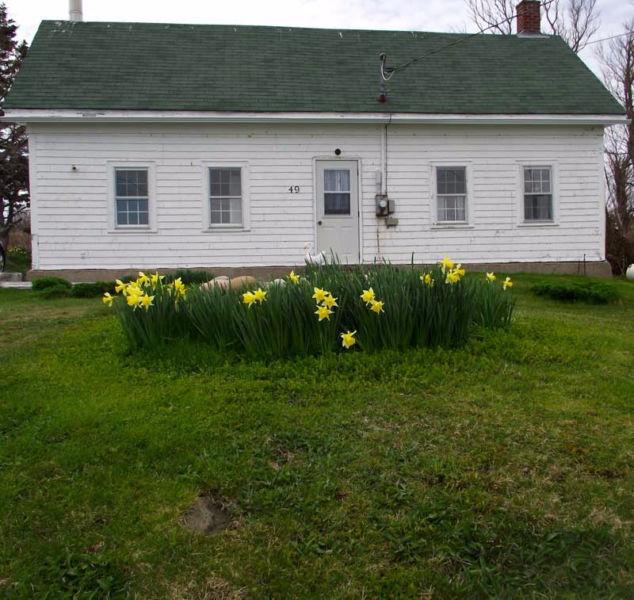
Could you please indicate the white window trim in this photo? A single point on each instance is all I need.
(112, 166)
(554, 184)
(467, 166)
(206, 212)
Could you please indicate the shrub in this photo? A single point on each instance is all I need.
(330, 308)
(92, 290)
(592, 292)
(54, 291)
(42, 283)
(189, 276)
(18, 259)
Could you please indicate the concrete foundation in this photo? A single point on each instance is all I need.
(593, 269)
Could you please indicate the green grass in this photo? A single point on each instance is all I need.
(502, 470)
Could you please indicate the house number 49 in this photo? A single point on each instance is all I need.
(294, 189)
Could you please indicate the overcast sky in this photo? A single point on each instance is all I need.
(420, 15)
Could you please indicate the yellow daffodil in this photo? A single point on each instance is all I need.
(427, 279)
(446, 264)
(507, 283)
(107, 299)
(368, 296)
(452, 277)
(156, 279)
(491, 277)
(132, 289)
(348, 340)
(120, 286)
(248, 298)
(179, 287)
(459, 270)
(146, 301)
(323, 312)
(319, 295)
(142, 279)
(330, 301)
(376, 306)
(259, 295)
(294, 278)
(133, 299)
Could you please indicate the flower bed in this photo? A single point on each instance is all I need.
(329, 308)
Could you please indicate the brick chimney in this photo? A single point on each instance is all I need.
(529, 17)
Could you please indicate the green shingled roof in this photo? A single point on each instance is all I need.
(147, 66)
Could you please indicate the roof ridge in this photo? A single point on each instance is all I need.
(290, 28)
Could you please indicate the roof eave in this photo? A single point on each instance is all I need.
(142, 116)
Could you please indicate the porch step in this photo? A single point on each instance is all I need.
(16, 285)
(8, 276)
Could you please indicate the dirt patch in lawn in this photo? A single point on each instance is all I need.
(206, 515)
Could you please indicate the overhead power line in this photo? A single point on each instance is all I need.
(612, 37)
(387, 72)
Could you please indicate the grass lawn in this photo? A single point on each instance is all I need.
(501, 470)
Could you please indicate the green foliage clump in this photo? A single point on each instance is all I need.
(190, 276)
(161, 321)
(412, 310)
(44, 283)
(591, 292)
(54, 292)
(92, 290)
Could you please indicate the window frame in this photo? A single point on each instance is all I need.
(436, 165)
(554, 189)
(112, 168)
(208, 226)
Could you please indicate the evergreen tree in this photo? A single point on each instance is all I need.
(14, 161)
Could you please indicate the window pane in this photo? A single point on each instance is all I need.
(225, 181)
(336, 180)
(452, 208)
(451, 180)
(336, 204)
(538, 207)
(226, 211)
(537, 181)
(131, 182)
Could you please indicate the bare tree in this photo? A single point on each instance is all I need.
(576, 21)
(617, 58)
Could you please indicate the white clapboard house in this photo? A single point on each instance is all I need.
(227, 147)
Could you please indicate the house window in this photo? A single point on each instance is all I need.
(336, 191)
(131, 197)
(225, 196)
(451, 194)
(538, 194)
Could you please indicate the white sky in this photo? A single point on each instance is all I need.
(421, 15)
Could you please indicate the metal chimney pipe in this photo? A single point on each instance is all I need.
(75, 10)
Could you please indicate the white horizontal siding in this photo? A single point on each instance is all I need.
(71, 208)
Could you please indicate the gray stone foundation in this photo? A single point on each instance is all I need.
(594, 269)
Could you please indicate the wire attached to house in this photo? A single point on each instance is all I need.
(388, 72)
(612, 37)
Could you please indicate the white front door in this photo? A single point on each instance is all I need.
(338, 210)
